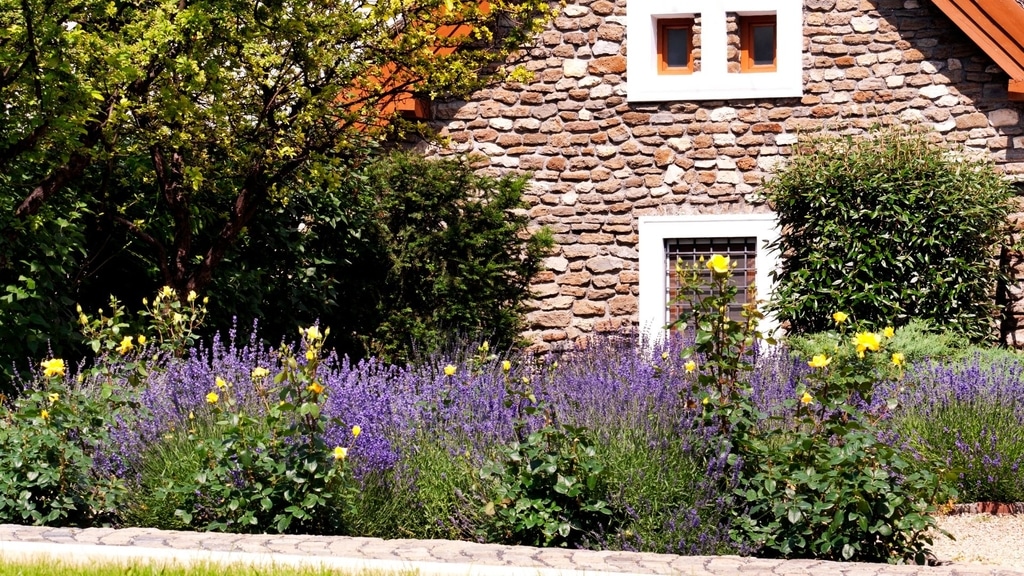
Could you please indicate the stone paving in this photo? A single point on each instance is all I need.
(422, 556)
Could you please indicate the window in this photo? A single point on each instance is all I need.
(664, 240)
(675, 46)
(757, 43)
(688, 252)
(655, 70)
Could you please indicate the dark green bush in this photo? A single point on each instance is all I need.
(888, 228)
(400, 252)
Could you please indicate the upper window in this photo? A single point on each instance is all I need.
(757, 43)
(693, 49)
(675, 46)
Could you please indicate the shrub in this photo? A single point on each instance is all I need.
(40, 267)
(917, 340)
(888, 228)
(271, 471)
(395, 254)
(50, 437)
(814, 483)
(547, 486)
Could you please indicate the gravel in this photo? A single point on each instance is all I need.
(993, 540)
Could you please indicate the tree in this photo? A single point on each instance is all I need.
(176, 121)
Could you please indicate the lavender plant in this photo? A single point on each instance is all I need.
(969, 416)
(271, 471)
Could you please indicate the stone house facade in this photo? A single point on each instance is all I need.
(626, 159)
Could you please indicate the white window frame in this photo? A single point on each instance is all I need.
(713, 81)
(654, 230)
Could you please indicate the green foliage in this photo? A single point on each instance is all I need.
(50, 436)
(182, 120)
(888, 228)
(398, 253)
(547, 487)
(916, 341)
(814, 480)
(831, 489)
(271, 472)
(172, 460)
(40, 261)
(430, 494)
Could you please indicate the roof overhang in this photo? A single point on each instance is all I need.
(997, 27)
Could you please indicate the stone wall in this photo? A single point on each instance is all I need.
(598, 162)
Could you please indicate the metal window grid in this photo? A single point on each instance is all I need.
(688, 251)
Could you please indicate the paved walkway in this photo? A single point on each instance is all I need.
(426, 557)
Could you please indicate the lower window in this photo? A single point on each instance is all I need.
(666, 240)
(693, 252)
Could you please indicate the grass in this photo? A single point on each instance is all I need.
(49, 567)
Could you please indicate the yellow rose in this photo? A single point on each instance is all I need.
(259, 372)
(888, 332)
(44, 414)
(191, 296)
(819, 361)
(53, 397)
(690, 366)
(221, 383)
(53, 367)
(449, 370)
(840, 317)
(867, 341)
(141, 339)
(898, 359)
(315, 388)
(340, 453)
(356, 431)
(212, 398)
(718, 264)
(506, 365)
(313, 333)
(806, 398)
(125, 346)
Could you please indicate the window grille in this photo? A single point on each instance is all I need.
(688, 251)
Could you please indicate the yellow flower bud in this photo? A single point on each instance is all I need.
(356, 431)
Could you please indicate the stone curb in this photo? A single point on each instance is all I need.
(427, 557)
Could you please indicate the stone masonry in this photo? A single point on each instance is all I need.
(598, 162)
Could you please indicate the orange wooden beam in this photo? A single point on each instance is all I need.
(1017, 90)
(997, 27)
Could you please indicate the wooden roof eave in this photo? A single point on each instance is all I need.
(997, 27)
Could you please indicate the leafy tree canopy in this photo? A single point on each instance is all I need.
(175, 121)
